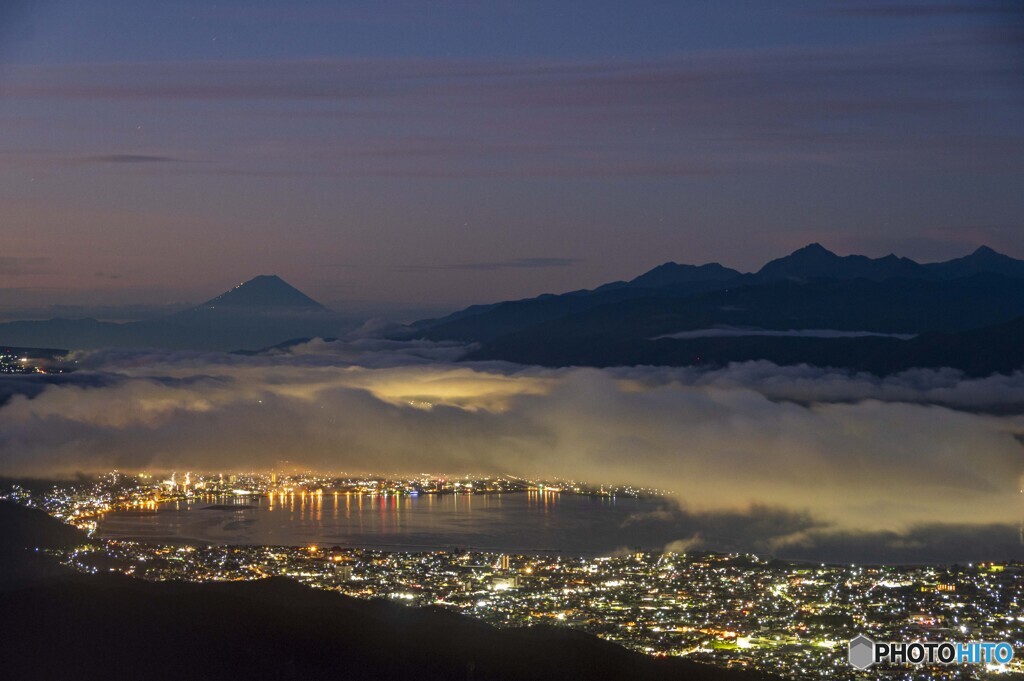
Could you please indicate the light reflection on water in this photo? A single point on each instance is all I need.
(524, 521)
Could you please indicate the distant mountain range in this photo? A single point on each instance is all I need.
(260, 312)
(812, 306)
(880, 315)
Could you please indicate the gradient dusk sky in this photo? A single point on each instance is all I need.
(435, 154)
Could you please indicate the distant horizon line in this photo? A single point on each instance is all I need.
(366, 308)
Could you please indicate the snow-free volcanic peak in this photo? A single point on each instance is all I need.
(266, 291)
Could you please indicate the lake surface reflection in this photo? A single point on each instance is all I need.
(515, 522)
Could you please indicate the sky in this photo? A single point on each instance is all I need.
(408, 157)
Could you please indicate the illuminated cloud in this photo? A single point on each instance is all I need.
(782, 459)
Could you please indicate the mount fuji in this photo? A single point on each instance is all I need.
(258, 313)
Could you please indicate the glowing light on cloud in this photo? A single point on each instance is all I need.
(801, 451)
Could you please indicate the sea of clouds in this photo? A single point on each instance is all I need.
(794, 461)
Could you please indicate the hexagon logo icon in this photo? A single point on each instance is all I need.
(862, 652)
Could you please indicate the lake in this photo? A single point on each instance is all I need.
(525, 522)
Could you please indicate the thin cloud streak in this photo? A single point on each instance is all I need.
(899, 10)
(513, 264)
(13, 266)
(130, 158)
(695, 114)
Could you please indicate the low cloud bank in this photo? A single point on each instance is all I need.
(734, 331)
(786, 460)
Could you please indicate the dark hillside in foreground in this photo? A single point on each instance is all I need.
(22, 527)
(113, 627)
(22, 531)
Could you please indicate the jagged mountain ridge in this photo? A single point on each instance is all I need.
(811, 289)
(485, 323)
(814, 260)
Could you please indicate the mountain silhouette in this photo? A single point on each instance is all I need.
(264, 292)
(811, 288)
(814, 260)
(983, 260)
(263, 311)
(624, 323)
(674, 273)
